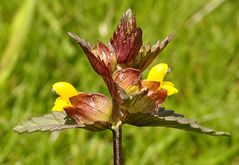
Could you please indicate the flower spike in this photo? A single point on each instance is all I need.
(134, 101)
(127, 39)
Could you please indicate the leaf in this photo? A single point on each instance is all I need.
(114, 88)
(55, 121)
(96, 62)
(162, 112)
(140, 119)
(148, 53)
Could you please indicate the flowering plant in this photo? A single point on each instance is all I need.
(135, 101)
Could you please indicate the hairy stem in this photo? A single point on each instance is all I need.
(117, 144)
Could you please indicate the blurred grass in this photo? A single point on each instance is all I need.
(35, 52)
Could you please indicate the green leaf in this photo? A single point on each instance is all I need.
(54, 122)
(140, 119)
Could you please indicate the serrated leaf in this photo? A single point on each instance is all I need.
(54, 122)
(140, 119)
(162, 112)
(96, 61)
(149, 52)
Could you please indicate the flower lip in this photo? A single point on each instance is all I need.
(158, 72)
(64, 89)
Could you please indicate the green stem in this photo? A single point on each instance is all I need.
(117, 144)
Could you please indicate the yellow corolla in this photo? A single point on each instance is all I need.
(157, 73)
(64, 90)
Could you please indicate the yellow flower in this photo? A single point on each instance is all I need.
(64, 90)
(157, 73)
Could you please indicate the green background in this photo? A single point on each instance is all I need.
(35, 52)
